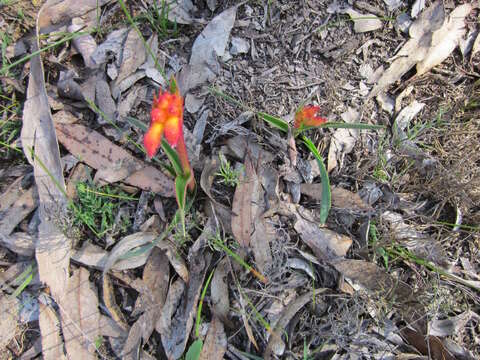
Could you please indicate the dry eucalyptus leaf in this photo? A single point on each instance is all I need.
(52, 343)
(22, 206)
(452, 325)
(374, 279)
(175, 337)
(156, 278)
(55, 12)
(341, 198)
(207, 47)
(247, 195)
(180, 12)
(133, 55)
(343, 140)
(111, 45)
(41, 149)
(104, 101)
(175, 292)
(275, 345)
(80, 316)
(364, 22)
(325, 244)
(445, 39)
(20, 243)
(219, 291)
(215, 344)
(9, 319)
(100, 153)
(84, 44)
(414, 49)
(125, 245)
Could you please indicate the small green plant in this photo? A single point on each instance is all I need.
(97, 208)
(157, 17)
(217, 243)
(373, 241)
(229, 176)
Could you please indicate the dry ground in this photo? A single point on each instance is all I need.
(392, 274)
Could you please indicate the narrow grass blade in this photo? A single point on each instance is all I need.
(224, 96)
(137, 123)
(326, 194)
(200, 305)
(4, 70)
(274, 121)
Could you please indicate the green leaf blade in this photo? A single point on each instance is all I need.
(326, 193)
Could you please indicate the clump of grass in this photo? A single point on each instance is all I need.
(157, 17)
(229, 176)
(97, 208)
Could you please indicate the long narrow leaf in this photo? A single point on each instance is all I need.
(137, 123)
(326, 194)
(181, 182)
(343, 125)
(173, 157)
(274, 121)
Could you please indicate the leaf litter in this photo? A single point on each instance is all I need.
(369, 253)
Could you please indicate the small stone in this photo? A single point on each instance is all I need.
(239, 46)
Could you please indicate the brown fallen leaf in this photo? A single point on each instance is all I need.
(133, 55)
(244, 207)
(445, 39)
(12, 215)
(326, 244)
(80, 316)
(374, 279)
(57, 12)
(12, 193)
(275, 345)
(156, 278)
(219, 291)
(215, 344)
(49, 323)
(263, 235)
(414, 49)
(430, 346)
(111, 304)
(78, 174)
(20, 243)
(174, 295)
(84, 44)
(9, 319)
(175, 337)
(42, 152)
(341, 198)
(100, 153)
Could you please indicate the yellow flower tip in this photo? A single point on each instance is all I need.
(153, 138)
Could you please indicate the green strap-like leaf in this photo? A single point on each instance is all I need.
(173, 157)
(194, 350)
(326, 194)
(274, 121)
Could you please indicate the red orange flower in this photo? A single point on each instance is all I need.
(167, 118)
(307, 116)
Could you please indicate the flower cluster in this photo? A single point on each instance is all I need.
(167, 118)
(307, 116)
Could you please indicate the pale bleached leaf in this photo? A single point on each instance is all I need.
(445, 39)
